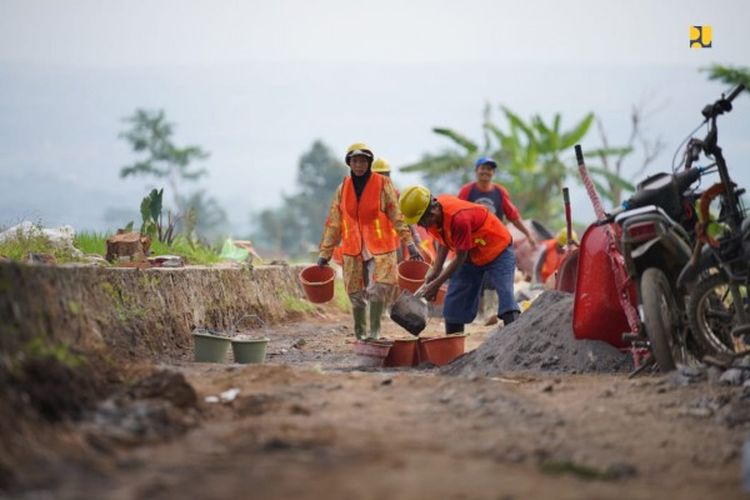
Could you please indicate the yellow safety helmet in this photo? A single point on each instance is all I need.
(562, 237)
(381, 166)
(358, 149)
(414, 202)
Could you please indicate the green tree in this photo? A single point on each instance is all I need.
(150, 134)
(204, 217)
(319, 173)
(731, 75)
(296, 226)
(535, 157)
(278, 230)
(530, 153)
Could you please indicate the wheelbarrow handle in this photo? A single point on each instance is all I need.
(568, 217)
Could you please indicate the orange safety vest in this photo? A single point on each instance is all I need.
(427, 244)
(396, 237)
(363, 221)
(552, 260)
(489, 241)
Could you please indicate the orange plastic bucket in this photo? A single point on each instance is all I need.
(318, 283)
(441, 350)
(402, 353)
(411, 274)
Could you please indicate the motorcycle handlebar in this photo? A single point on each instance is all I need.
(735, 92)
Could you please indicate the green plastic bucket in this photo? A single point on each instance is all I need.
(210, 348)
(249, 351)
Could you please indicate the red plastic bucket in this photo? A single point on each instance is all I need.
(402, 353)
(441, 350)
(411, 274)
(318, 283)
(372, 352)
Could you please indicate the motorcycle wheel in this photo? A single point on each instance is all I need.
(711, 315)
(661, 319)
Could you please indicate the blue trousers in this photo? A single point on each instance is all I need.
(465, 287)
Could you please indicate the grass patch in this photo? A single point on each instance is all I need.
(96, 243)
(340, 297)
(195, 254)
(38, 348)
(91, 242)
(294, 304)
(23, 243)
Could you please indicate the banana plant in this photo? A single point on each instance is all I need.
(534, 158)
(152, 217)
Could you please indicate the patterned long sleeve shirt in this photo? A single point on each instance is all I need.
(388, 204)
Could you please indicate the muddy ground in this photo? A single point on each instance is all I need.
(309, 424)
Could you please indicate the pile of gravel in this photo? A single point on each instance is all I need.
(541, 340)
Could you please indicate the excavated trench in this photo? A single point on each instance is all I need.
(99, 397)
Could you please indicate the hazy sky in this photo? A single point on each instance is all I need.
(104, 33)
(256, 82)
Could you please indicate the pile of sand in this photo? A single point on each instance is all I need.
(541, 340)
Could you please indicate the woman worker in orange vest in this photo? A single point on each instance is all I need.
(363, 214)
(482, 245)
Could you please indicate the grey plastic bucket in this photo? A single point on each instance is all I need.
(210, 348)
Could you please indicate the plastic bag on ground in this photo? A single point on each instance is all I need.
(231, 252)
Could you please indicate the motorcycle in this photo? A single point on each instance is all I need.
(656, 245)
(630, 260)
(718, 272)
(642, 269)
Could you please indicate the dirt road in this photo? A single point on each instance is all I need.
(310, 425)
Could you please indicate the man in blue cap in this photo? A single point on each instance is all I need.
(495, 197)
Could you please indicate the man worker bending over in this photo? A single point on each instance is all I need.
(482, 245)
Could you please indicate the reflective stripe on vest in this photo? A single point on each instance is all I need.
(363, 219)
(490, 239)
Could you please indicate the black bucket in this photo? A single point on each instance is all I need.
(410, 313)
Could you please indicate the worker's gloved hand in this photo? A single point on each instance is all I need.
(322, 261)
(414, 253)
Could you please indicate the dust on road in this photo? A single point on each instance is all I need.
(309, 425)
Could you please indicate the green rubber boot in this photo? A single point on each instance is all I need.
(360, 321)
(376, 313)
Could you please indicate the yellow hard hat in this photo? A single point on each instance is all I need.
(562, 237)
(358, 149)
(381, 166)
(414, 202)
